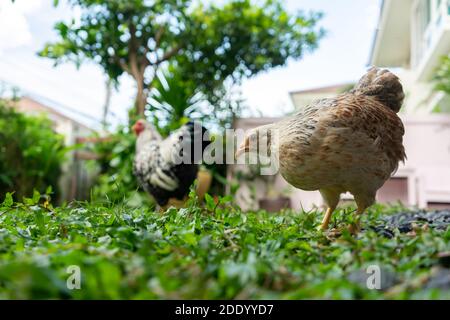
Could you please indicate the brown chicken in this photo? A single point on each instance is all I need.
(349, 143)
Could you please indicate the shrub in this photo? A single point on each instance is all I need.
(31, 153)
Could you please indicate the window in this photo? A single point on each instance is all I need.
(439, 12)
(429, 17)
(427, 8)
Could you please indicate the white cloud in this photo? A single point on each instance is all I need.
(14, 28)
(27, 6)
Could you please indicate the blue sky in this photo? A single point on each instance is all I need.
(342, 57)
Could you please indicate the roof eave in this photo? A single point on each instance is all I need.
(375, 36)
(391, 44)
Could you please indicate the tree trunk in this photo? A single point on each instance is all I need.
(137, 71)
(141, 97)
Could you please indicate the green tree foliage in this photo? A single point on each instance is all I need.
(242, 38)
(31, 153)
(442, 77)
(173, 101)
(210, 43)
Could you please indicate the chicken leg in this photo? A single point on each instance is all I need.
(331, 198)
(362, 202)
(173, 202)
(326, 218)
(355, 227)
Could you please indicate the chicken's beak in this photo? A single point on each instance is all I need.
(243, 148)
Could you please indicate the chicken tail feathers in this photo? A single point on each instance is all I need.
(382, 85)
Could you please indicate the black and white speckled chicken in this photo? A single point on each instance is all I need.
(166, 168)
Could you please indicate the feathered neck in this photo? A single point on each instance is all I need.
(145, 137)
(268, 136)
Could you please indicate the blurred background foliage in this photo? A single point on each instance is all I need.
(186, 67)
(209, 43)
(442, 76)
(31, 153)
(174, 101)
(187, 60)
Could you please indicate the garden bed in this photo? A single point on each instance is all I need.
(215, 252)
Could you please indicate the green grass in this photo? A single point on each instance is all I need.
(214, 252)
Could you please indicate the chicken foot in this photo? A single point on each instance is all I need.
(355, 227)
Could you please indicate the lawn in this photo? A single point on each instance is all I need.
(212, 251)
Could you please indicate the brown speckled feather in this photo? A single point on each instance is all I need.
(350, 143)
(353, 142)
